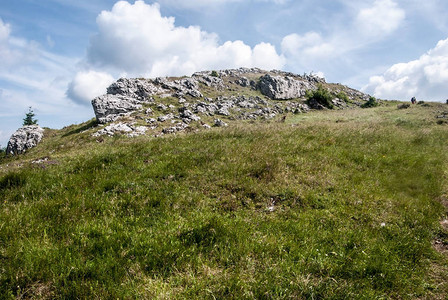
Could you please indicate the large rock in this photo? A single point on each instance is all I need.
(209, 80)
(24, 138)
(283, 87)
(181, 87)
(141, 89)
(109, 107)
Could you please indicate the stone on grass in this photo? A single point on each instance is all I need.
(24, 139)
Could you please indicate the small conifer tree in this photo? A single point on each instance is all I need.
(29, 118)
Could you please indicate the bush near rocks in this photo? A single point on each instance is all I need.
(320, 96)
(372, 102)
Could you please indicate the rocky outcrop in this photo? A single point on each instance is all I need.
(126, 96)
(209, 80)
(24, 139)
(181, 87)
(137, 88)
(168, 105)
(284, 87)
(109, 107)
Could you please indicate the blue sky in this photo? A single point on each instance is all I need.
(56, 55)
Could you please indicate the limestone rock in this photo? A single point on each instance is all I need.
(209, 80)
(122, 128)
(141, 89)
(109, 107)
(283, 87)
(176, 128)
(165, 117)
(220, 123)
(24, 138)
(181, 87)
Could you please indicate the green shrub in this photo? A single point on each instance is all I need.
(343, 96)
(372, 102)
(214, 74)
(322, 96)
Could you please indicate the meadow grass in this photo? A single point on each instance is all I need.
(328, 205)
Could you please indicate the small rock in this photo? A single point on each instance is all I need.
(162, 107)
(223, 111)
(220, 123)
(165, 118)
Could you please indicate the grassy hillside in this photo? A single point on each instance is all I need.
(328, 205)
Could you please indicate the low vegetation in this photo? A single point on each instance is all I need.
(321, 95)
(327, 205)
(372, 102)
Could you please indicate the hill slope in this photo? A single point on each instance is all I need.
(329, 204)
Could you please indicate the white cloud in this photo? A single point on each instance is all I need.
(88, 85)
(426, 78)
(381, 19)
(368, 25)
(4, 32)
(138, 40)
(308, 45)
(194, 4)
(32, 76)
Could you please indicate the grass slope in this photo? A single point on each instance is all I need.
(329, 205)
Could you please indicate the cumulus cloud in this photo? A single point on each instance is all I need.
(369, 25)
(137, 40)
(426, 78)
(209, 3)
(311, 44)
(87, 85)
(384, 17)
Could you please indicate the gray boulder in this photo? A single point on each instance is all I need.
(141, 89)
(283, 87)
(243, 81)
(209, 80)
(181, 87)
(109, 107)
(24, 138)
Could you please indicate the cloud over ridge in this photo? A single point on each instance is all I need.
(138, 40)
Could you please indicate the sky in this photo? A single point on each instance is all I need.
(57, 55)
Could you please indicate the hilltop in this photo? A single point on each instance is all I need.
(291, 200)
(167, 105)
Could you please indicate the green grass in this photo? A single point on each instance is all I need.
(355, 196)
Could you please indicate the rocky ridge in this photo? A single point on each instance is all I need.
(166, 105)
